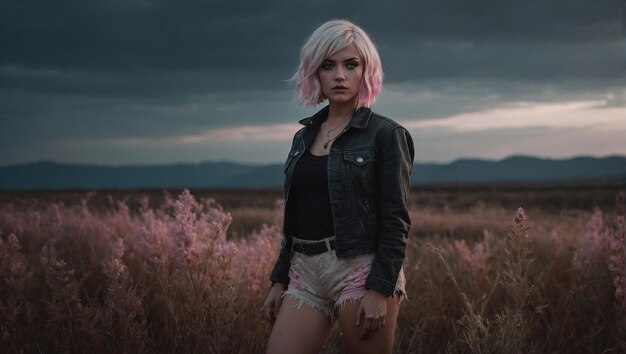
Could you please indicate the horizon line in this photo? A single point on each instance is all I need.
(278, 162)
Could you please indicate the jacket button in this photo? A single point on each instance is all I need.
(359, 159)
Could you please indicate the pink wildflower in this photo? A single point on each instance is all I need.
(13, 265)
(616, 262)
(519, 231)
(617, 266)
(185, 208)
(594, 239)
(474, 258)
(520, 215)
(117, 248)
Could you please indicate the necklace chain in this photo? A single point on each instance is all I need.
(328, 138)
(335, 128)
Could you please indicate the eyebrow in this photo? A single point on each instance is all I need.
(346, 60)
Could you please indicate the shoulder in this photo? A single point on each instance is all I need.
(391, 133)
(384, 123)
(297, 134)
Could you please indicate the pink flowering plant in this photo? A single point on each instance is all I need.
(139, 276)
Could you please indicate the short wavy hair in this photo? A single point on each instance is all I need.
(326, 40)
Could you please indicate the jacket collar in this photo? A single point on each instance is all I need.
(360, 117)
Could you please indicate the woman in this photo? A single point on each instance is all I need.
(345, 220)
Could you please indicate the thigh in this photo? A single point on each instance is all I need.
(298, 330)
(378, 342)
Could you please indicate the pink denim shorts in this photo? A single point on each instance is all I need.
(325, 282)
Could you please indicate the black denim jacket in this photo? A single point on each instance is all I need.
(369, 166)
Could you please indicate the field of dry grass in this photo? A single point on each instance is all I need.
(155, 271)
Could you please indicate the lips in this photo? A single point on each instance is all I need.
(340, 88)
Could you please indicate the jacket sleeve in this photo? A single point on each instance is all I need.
(280, 273)
(395, 161)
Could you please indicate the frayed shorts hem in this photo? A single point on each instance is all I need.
(331, 312)
(302, 299)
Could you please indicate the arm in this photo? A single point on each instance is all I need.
(393, 172)
(395, 162)
(273, 301)
(280, 272)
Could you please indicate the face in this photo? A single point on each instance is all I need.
(340, 75)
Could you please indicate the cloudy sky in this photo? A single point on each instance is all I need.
(155, 81)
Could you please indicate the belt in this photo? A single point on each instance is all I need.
(311, 249)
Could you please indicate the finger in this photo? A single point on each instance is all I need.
(375, 326)
(360, 314)
(379, 323)
(268, 313)
(276, 308)
(367, 328)
(363, 334)
(366, 333)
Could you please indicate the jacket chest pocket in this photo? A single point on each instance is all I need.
(359, 169)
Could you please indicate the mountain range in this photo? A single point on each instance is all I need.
(54, 175)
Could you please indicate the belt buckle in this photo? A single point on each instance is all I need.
(311, 249)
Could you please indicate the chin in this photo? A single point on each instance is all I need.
(341, 98)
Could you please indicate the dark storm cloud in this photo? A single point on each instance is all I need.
(137, 43)
(502, 21)
(146, 68)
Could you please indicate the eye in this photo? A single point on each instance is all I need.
(352, 65)
(327, 66)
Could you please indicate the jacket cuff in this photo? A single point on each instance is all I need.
(280, 273)
(380, 285)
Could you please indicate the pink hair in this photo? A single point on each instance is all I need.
(326, 40)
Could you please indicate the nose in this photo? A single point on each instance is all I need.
(340, 74)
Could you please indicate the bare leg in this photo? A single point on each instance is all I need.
(378, 342)
(302, 330)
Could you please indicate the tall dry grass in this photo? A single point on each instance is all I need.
(168, 279)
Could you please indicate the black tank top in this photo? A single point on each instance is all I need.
(309, 188)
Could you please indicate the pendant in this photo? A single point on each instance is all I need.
(325, 145)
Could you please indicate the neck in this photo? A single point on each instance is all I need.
(339, 112)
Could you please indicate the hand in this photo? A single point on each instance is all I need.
(273, 301)
(371, 313)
